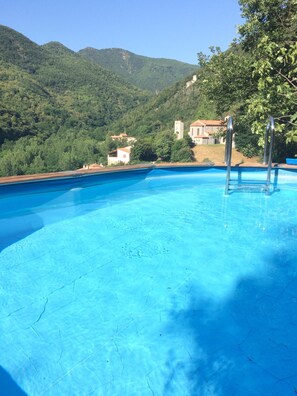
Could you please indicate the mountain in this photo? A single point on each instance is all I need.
(153, 74)
(183, 101)
(56, 107)
(46, 88)
(18, 50)
(99, 95)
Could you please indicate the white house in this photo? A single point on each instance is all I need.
(120, 155)
(206, 131)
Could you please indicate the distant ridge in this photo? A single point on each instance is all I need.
(49, 88)
(57, 108)
(58, 47)
(17, 49)
(153, 74)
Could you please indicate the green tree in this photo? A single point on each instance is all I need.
(181, 151)
(163, 145)
(143, 150)
(269, 34)
(246, 141)
(110, 144)
(226, 79)
(257, 76)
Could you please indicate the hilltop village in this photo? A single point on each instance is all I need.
(201, 132)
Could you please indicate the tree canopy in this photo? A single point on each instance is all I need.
(270, 33)
(257, 76)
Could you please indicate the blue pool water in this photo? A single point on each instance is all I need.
(149, 282)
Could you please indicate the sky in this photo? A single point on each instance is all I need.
(173, 29)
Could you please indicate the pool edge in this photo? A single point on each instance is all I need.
(9, 180)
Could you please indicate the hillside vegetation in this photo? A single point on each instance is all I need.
(46, 88)
(254, 78)
(152, 74)
(158, 114)
(50, 96)
(58, 109)
(257, 76)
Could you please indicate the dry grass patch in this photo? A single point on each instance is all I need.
(216, 153)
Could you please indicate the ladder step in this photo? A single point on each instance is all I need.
(245, 186)
(248, 181)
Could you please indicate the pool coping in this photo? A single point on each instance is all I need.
(115, 169)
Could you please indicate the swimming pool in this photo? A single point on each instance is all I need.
(149, 282)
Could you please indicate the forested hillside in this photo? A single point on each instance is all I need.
(178, 102)
(58, 109)
(52, 80)
(50, 96)
(153, 74)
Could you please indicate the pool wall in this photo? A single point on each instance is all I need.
(63, 192)
(64, 181)
(149, 282)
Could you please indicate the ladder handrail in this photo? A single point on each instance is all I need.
(270, 129)
(228, 151)
(265, 144)
(229, 133)
(269, 138)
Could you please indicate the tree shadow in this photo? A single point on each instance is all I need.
(245, 345)
(8, 387)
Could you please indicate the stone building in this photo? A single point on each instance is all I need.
(179, 129)
(207, 131)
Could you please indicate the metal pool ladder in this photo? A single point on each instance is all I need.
(239, 184)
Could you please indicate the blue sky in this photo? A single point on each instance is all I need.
(175, 29)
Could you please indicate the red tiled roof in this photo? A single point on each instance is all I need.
(125, 149)
(208, 123)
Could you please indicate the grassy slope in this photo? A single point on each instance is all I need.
(216, 153)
